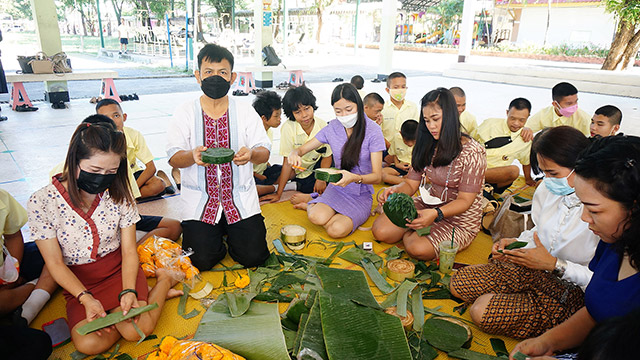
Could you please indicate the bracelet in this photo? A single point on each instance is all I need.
(126, 291)
(561, 267)
(84, 292)
(440, 215)
(359, 181)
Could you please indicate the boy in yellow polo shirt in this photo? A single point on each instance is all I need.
(467, 119)
(563, 111)
(299, 105)
(373, 105)
(399, 109)
(606, 121)
(503, 143)
(400, 151)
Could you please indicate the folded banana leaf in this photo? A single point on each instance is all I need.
(113, 318)
(466, 354)
(393, 253)
(311, 337)
(403, 294)
(256, 335)
(347, 284)
(295, 311)
(444, 335)
(392, 299)
(355, 255)
(357, 332)
(417, 307)
(499, 347)
(239, 302)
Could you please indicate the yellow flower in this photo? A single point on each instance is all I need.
(242, 281)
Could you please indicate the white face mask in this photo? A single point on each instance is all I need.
(9, 268)
(348, 121)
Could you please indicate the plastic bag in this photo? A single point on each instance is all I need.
(10, 268)
(157, 252)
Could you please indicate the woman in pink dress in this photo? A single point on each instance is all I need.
(454, 164)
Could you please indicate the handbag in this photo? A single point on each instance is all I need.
(61, 64)
(24, 64)
(511, 219)
(41, 64)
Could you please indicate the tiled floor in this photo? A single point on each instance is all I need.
(32, 143)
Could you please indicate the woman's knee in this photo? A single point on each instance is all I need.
(173, 228)
(477, 309)
(338, 229)
(418, 248)
(92, 345)
(317, 216)
(383, 230)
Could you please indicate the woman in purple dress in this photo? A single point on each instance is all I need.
(357, 144)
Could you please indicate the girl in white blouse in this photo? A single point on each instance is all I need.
(523, 292)
(84, 225)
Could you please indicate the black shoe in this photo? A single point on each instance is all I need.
(376, 80)
(3, 118)
(170, 190)
(59, 105)
(123, 98)
(130, 97)
(25, 108)
(135, 96)
(338, 79)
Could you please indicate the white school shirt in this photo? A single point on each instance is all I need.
(185, 132)
(563, 233)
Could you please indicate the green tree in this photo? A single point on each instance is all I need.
(84, 7)
(626, 42)
(19, 9)
(449, 12)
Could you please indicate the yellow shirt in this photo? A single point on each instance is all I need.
(260, 168)
(136, 149)
(468, 123)
(503, 156)
(547, 117)
(292, 136)
(12, 215)
(393, 118)
(400, 149)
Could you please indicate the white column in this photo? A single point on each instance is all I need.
(466, 30)
(264, 37)
(387, 37)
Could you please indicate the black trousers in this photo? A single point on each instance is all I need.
(246, 240)
(18, 342)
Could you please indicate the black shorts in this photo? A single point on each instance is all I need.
(148, 223)
(32, 262)
(137, 174)
(124, 41)
(400, 171)
(272, 173)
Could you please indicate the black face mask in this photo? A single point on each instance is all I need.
(93, 183)
(215, 87)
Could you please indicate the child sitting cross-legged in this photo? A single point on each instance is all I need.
(400, 151)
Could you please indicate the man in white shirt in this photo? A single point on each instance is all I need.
(222, 199)
(123, 35)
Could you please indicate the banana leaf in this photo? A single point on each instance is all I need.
(182, 304)
(348, 284)
(311, 337)
(466, 354)
(499, 347)
(239, 302)
(392, 299)
(357, 332)
(295, 311)
(375, 276)
(355, 255)
(403, 294)
(417, 307)
(257, 335)
(333, 255)
(393, 253)
(444, 335)
(520, 356)
(113, 318)
(420, 348)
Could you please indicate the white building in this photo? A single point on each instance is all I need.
(572, 22)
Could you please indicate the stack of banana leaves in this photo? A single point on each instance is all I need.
(333, 314)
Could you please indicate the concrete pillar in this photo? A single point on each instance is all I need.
(387, 37)
(263, 20)
(466, 30)
(48, 31)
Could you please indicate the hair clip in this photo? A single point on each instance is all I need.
(88, 124)
(630, 163)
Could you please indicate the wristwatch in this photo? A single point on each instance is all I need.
(440, 215)
(359, 180)
(561, 267)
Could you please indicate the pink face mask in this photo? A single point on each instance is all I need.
(568, 111)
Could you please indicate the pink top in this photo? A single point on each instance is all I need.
(83, 237)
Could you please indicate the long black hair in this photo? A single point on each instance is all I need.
(351, 149)
(97, 134)
(561, 144)
(612, 165)
(449, 144)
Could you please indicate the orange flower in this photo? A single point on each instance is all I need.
(242, 281)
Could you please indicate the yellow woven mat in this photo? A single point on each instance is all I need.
(276, 215)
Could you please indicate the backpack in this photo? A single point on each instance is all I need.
(269, 56)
